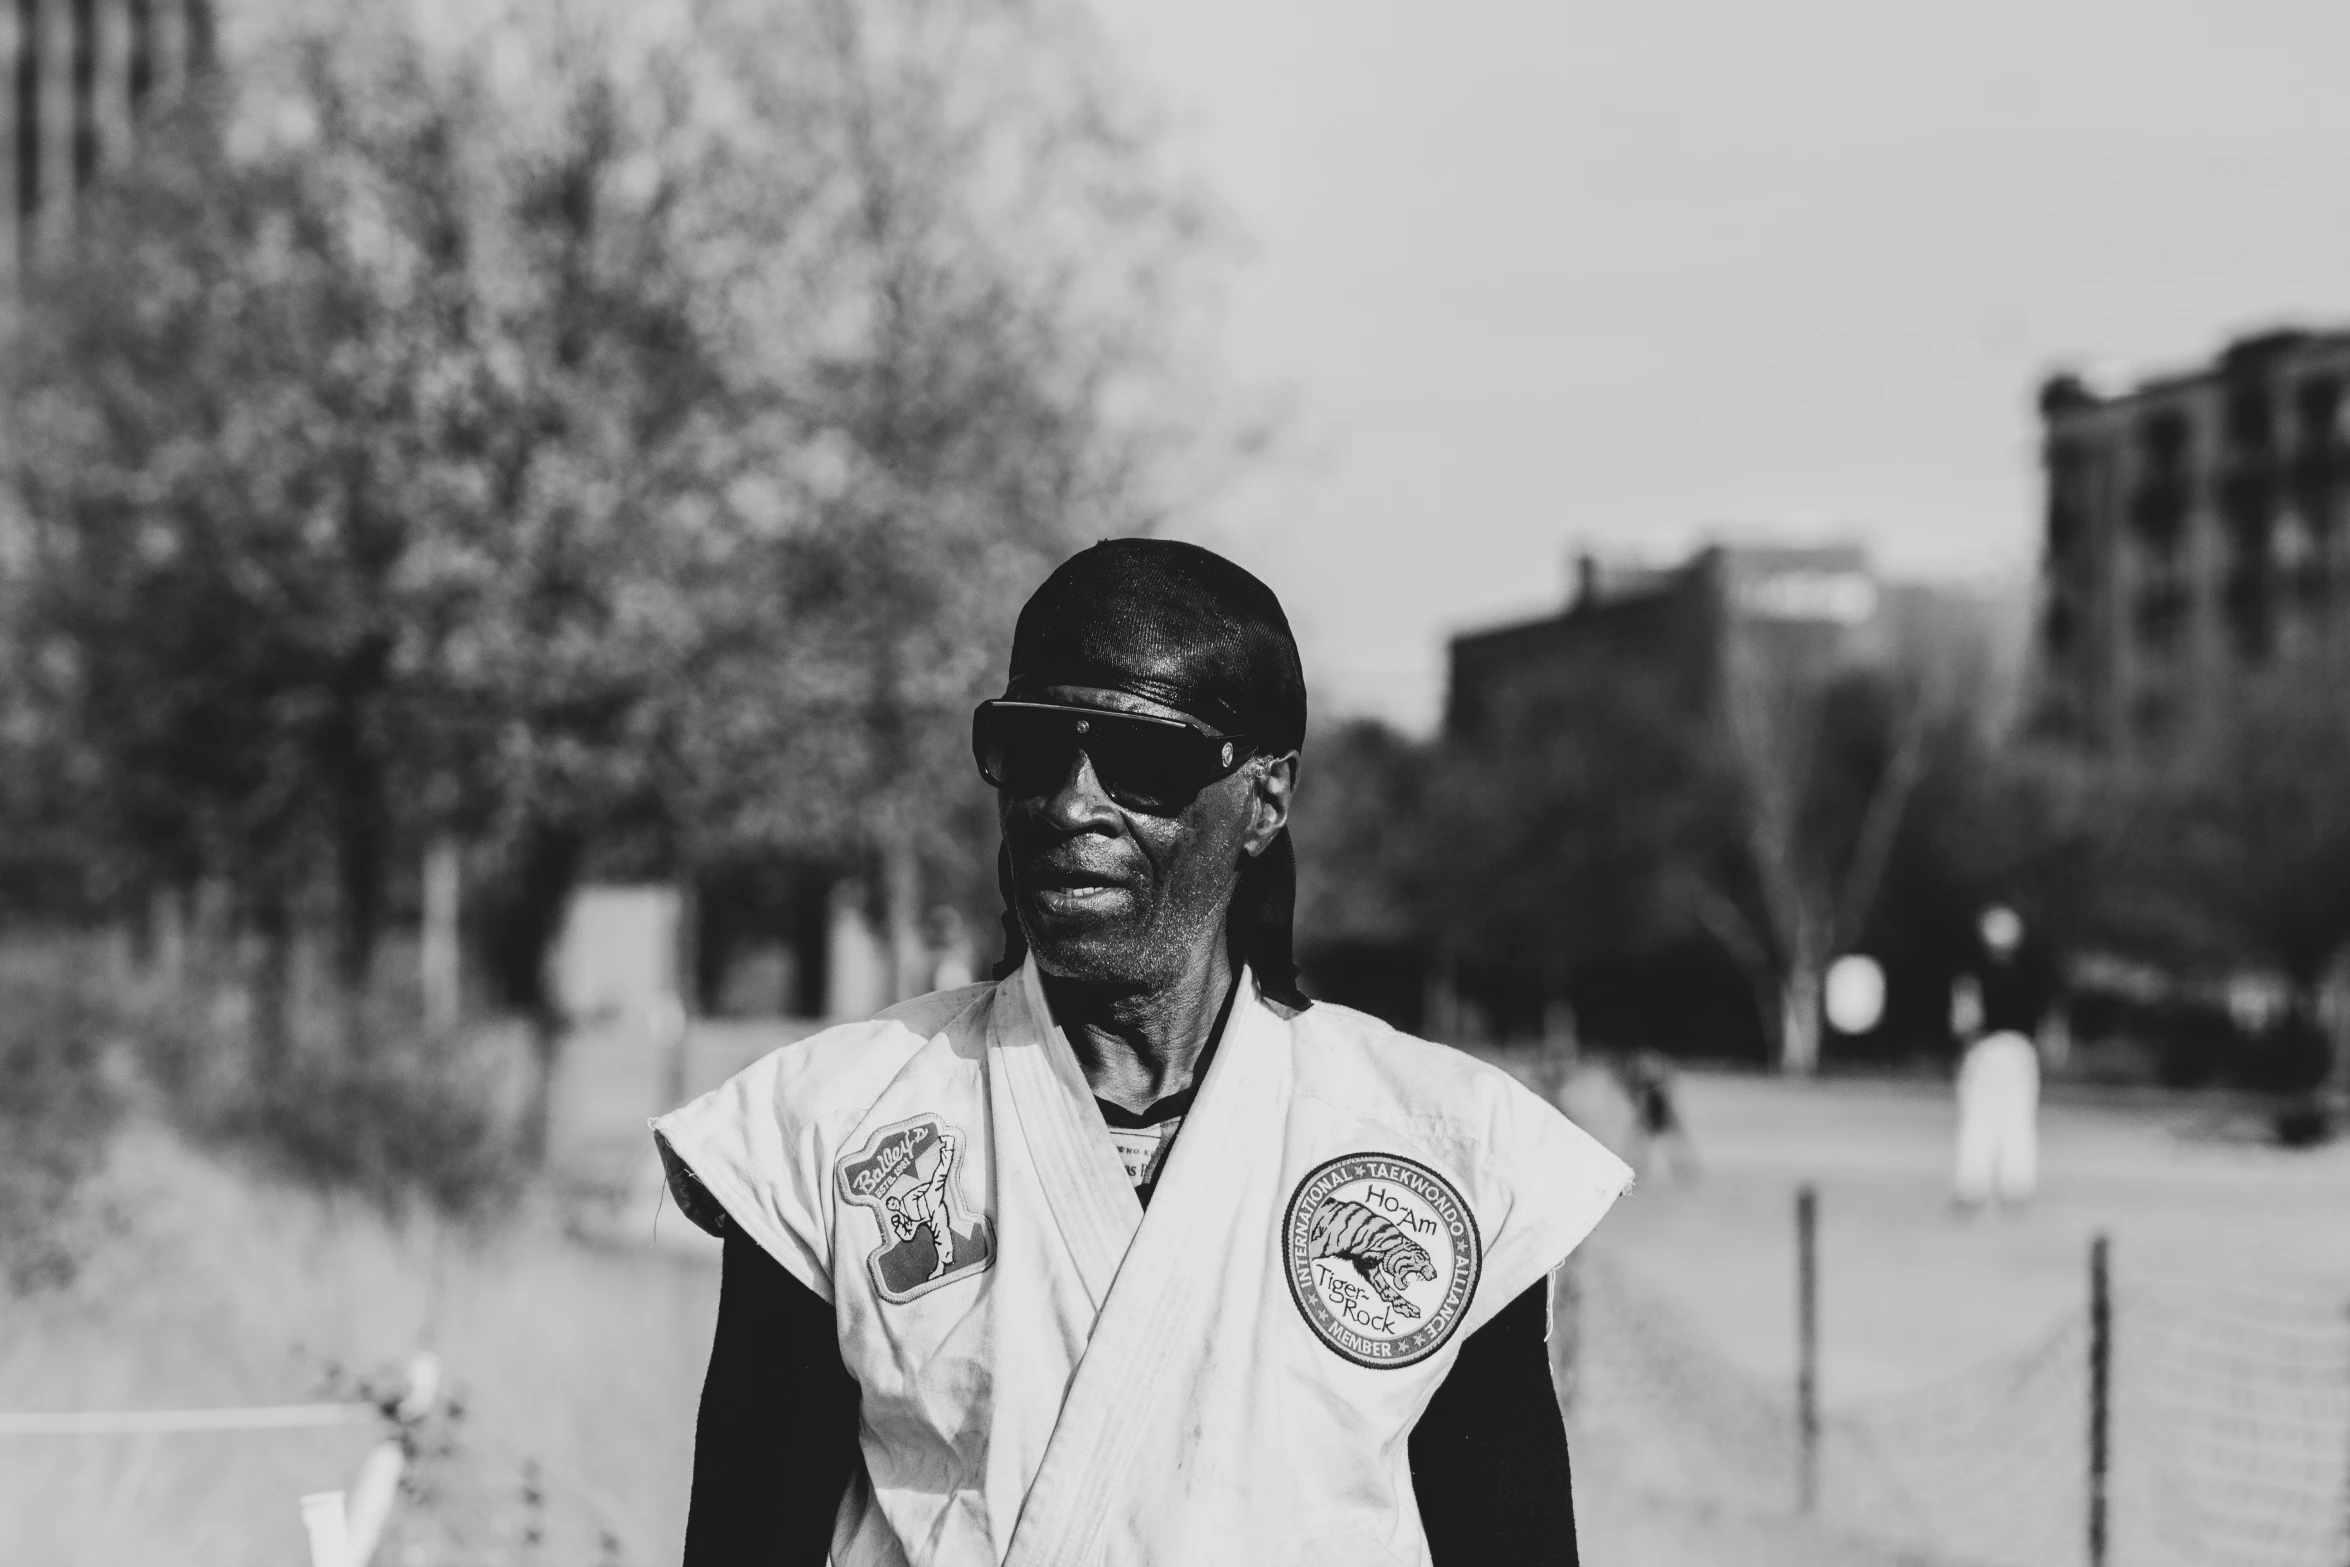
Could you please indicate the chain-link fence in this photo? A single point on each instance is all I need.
(487, 1503)
(2186, 1422)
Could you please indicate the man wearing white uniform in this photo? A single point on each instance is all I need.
(1998, 1007)
(1135, 1255)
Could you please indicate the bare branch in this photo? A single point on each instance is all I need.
(1881, 824)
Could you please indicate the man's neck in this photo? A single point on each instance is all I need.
(1138, 1046)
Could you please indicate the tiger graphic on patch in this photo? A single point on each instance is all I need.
(1384, 1255)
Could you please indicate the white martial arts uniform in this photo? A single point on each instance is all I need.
(1998, 1119)
(1231, 1380)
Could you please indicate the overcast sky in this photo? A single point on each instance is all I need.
(1641, 273)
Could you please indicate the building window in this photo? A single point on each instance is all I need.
(2248, 503)
(2161, 612)
(2163, 434)
(2154, 716)
(2251, 422)
(2318, 464)
(2250, 497)
(2158, 514)
(2319, 401)
(2064, 528)
(2158, 509)
(2060, 628)
(2250, 603)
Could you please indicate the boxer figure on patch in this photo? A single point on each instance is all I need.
(927, 1205)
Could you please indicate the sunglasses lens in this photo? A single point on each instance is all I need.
(1022, 750)
(1155, 768)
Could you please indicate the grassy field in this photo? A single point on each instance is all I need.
(576, 1333)
(2231, 1269)
(1911, 1288)
(573, 1335)
(218, 1290)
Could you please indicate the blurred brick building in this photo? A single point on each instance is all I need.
(77, 77)
(1805, 612)
(1801, 608)
(1675, 645)
(1659, 646)
(2194, 534)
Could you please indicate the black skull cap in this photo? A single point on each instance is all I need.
(1172, 623)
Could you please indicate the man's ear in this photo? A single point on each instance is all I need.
(1273, 785)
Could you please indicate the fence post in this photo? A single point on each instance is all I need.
(346, 1526)
(1807, 1348)
(324, 1522)
(439, 962)
(2100, 1393)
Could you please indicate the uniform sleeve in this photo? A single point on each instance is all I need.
(748, 1151)
(777, 1440)
(1489, 1456)
(1547, 1183)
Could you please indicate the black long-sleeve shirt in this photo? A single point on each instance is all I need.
(777, 1442)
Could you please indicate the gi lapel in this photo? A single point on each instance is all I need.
(1213, 1214)
(1036, 1086)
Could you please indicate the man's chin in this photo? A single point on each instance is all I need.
(1096, 952)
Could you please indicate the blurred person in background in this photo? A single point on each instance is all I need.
(1651, 1087)
(2001, 1003)
(1562, 1052)
(1135, 1254)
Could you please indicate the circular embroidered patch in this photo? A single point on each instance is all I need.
(1382, 1256)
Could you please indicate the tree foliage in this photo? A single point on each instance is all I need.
(1614, 822)
(2234, 851)
(633, 427)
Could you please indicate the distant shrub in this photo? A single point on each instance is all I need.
(57, 1111)
(407, 1117)
(2291, 1058)
(2195, 1044)
(409, 1120)
(398, 1117)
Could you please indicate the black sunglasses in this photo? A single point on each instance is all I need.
(1152, 765)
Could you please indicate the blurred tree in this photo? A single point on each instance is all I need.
(2238, 850)
(2232, 856)
(637, 427)
(213, 405)
(1560, 845)
(1821, 772)
(1364, 813)
(1620, 818)
(977, 267)
(49, 867)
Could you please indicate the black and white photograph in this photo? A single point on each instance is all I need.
(1079, 783)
